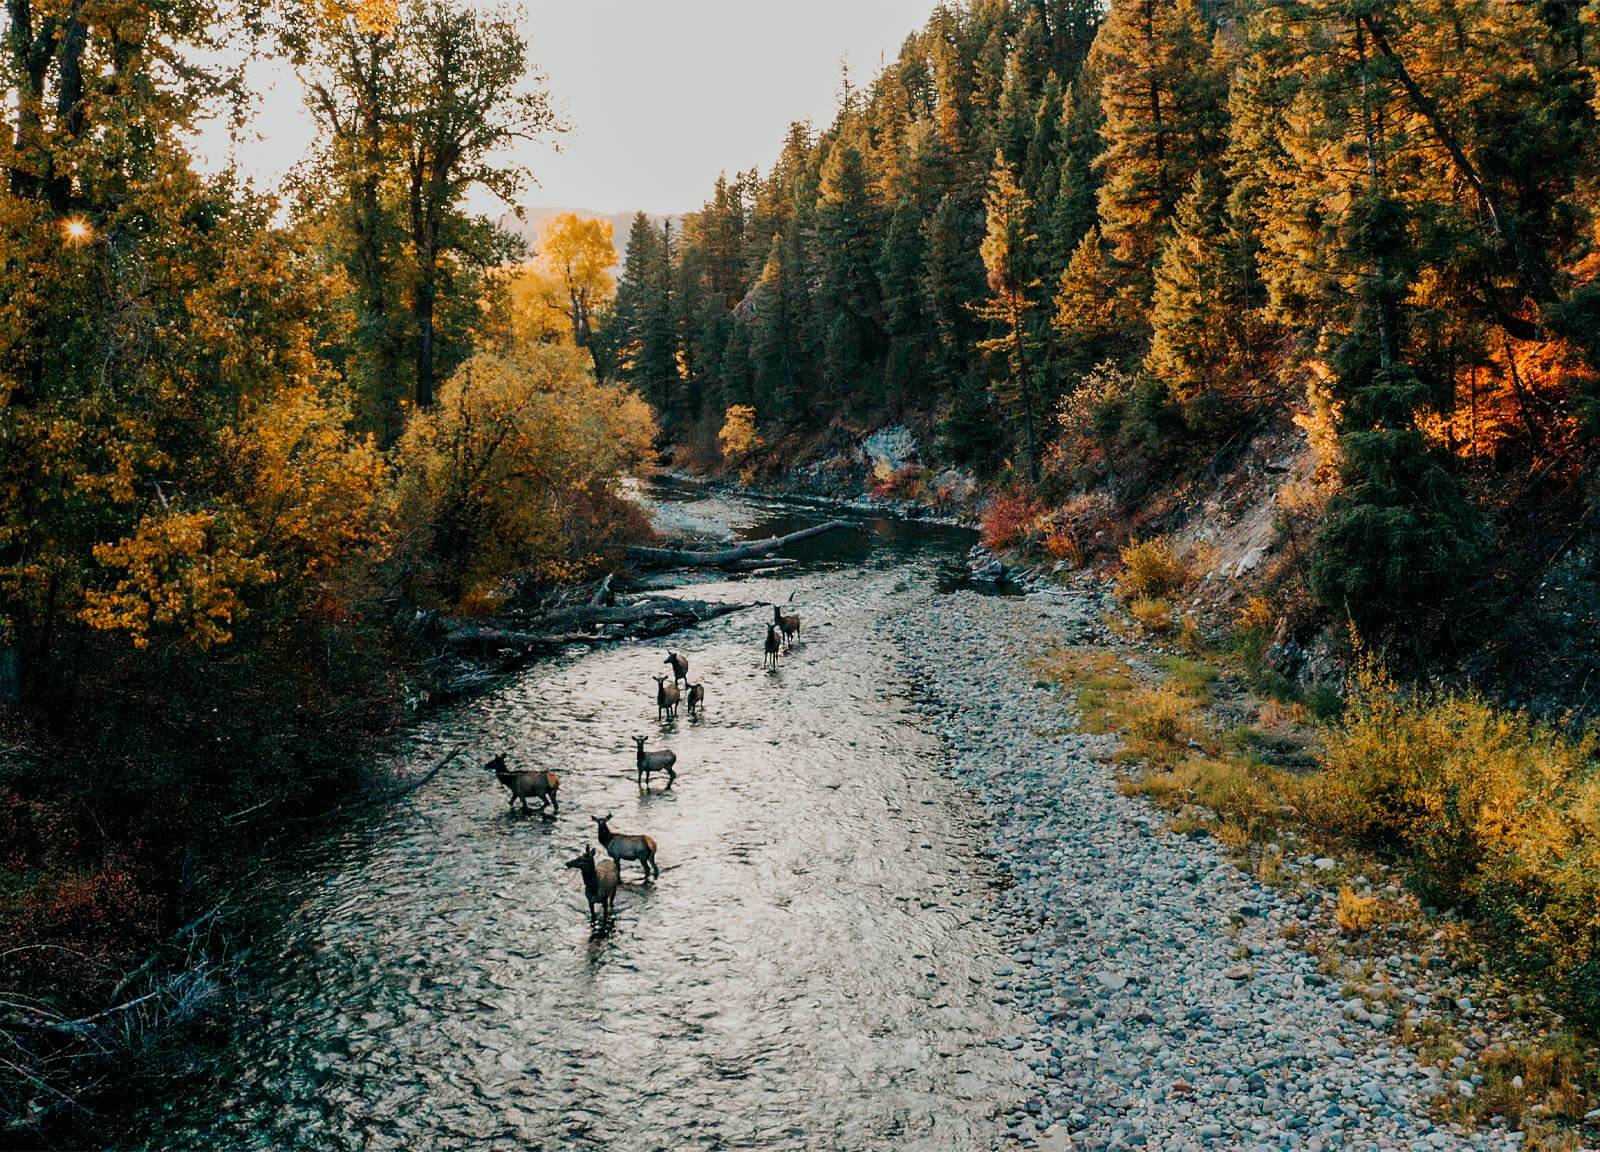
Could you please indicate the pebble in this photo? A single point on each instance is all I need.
(1150, 1031)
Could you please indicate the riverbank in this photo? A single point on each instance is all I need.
(1179, 1002)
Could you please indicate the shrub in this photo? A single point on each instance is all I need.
(514, 468)
(1355, 913)
(1151, 614)
(1151, 569)
(739, 441)
(1010, 520)
(1161, 724)
(1494, 812)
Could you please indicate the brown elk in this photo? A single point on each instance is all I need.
(697, 698)
(538, 783)
(599, 881)
(649, 762)
(666, 698)
(774, 646)
(640, 848)
(680, 667)
(788, 624)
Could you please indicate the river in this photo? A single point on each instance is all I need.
(812, 969)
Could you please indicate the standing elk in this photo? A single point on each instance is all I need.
(774, 645)
(538, 783)
(599, 881)
(697, 698)
(788, 624)
(640, 848)
(649, 762)
(680, 667)
(666, 698)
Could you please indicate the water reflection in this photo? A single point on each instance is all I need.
(810, 970)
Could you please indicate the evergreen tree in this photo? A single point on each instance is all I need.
(1010, 305)
(1165, 117)
(848, 304)
(1205, 345)
(906, 321)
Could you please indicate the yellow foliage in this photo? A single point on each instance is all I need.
(178, 568)
(1152, 615)
(309, 488)
(536, 312)
(1161, 724)
(738, 440)
(516, 467)
(1494, 809)
(1356, 914)
(1256, 615)
(1151, 569)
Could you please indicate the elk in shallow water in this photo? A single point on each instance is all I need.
(680, 667)
(788, 624)
(537, 783)
(697, 698)
(640, 848)
(599, 881)
(666, 698)
(774, 646)
(649, 762)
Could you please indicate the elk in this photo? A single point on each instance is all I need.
(538, 783)
(680, 667)
(774, 646)
(649, 762)
(666, 698)
(640, 848)
(697, 698)
(599, 881)
(789, 625)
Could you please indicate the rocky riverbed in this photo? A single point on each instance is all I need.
(1170, 1010)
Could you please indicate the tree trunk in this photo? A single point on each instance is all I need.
(688, 558)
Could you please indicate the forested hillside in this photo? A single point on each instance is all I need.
(1108, 256)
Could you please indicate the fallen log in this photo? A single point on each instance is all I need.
(689, 558)
(651, 616)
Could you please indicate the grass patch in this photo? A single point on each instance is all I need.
(1099, 682)
(1151, 613)
(1189, 676)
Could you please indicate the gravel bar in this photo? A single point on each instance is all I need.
(1169, 1010)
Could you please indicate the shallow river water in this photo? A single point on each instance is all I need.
(811, 970)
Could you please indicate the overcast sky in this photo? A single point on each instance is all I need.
(661, 95)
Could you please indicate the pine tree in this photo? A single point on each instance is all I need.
(1205, 342)
(1165, 117)
(849, 307)
(906, 321)
(1009, 308)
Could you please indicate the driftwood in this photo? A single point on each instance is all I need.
(721, 558)
(652, 616)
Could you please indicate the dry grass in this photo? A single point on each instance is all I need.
(1152, 614)
(1099, 682)
(1356, 914)
(1151, 570)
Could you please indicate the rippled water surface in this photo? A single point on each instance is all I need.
(811, 970)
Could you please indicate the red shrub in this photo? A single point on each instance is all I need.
(1010, 519)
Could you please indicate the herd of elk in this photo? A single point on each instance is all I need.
(602, 875)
